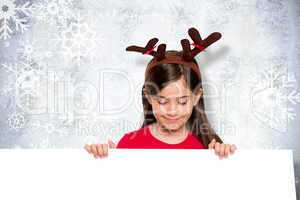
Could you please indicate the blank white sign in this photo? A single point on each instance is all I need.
(146, 174)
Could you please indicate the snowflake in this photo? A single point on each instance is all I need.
(13, 17)
(31, 51)
(273, 93)
(27, 100)
(54, 12)
(16, 121)
(28, 80)
(78, 40)
(27, 84)
(28, 74)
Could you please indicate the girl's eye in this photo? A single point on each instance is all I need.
(182, 101)
(162, 101)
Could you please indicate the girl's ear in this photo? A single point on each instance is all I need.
(197, 95)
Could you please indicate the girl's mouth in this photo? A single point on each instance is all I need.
(172, 119)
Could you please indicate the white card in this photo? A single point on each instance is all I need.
(140, 174)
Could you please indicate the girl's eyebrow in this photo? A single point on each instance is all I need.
(175, 97)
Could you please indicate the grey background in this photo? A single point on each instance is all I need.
(64, 70)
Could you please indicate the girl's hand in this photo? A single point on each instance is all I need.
(99, 150)
(222, 150)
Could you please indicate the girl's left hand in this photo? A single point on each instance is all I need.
(221, 149)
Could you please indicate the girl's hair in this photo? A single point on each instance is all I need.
(163, 74)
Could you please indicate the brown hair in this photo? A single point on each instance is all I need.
(162, 74)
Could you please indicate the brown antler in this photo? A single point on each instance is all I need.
(199, 44)
(149, 49)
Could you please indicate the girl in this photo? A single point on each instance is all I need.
(172, 96)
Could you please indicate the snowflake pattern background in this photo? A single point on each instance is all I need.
(14, 17)
(66, 79)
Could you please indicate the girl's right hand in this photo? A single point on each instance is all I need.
(99, 150)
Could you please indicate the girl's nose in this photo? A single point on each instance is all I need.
(172, 109)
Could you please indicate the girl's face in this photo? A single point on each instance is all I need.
(173, 105)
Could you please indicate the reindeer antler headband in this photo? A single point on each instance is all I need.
(184, 57)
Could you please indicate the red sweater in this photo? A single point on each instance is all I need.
(143, 139)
